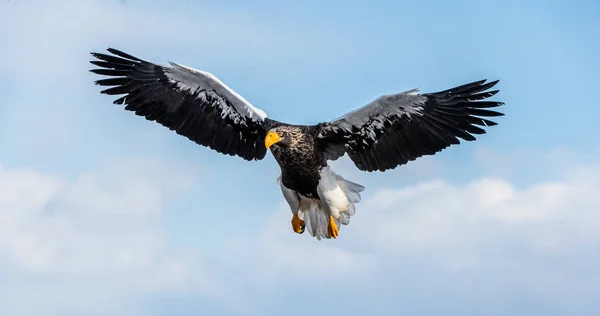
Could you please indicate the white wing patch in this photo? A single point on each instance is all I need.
(404, 103)
(193, 80)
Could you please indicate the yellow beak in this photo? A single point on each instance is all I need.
(271, 139)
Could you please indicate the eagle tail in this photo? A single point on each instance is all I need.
(315, 217)
(351, 189)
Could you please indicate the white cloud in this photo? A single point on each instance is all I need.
(279, 257)
(533, 241)
(443, 215)
(101, 232)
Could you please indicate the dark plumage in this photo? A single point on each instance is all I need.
(300, 159)
(439, 119)
(388, 132)
(205, 115)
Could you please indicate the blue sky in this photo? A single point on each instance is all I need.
(102, 211)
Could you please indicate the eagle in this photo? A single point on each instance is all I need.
(388, 132)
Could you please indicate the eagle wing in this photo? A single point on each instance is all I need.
(191, 102)
(397, 128)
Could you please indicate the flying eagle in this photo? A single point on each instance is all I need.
(388, 132)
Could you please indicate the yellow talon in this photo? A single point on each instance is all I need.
(297, 224)
(332, 229)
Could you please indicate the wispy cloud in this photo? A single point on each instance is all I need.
(101, 231)
(482, 231)
(104, 230)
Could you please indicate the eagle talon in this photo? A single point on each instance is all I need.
(332, 229)
(297, 224)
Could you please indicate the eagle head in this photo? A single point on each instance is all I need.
(278, 137)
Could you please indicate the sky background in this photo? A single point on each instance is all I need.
(104, 213)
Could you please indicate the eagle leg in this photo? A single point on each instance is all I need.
(297, 224)
(332, 229)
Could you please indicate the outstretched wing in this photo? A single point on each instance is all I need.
(193, 103)
(397, 128)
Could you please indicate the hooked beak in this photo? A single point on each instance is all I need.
(271, 139)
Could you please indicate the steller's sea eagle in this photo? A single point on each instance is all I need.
(388, 132)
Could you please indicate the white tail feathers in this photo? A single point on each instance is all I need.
(316, 218)
(351, 189)
(340, 196)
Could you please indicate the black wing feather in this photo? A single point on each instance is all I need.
(396, 129)
(203, 115)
